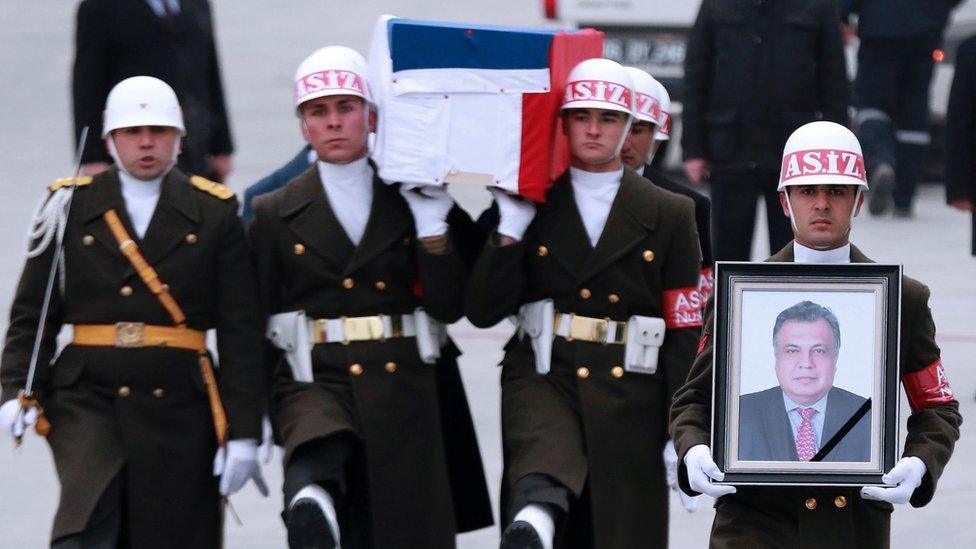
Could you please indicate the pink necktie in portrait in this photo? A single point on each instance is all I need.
(806, 443)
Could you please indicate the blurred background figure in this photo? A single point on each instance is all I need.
(961, 135)
(172, 40)
(891, 92)
(754, 72)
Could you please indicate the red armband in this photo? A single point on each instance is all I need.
(928, 386)
(682, 308)
(706, 282)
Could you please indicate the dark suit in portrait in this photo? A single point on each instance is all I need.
(765, 433)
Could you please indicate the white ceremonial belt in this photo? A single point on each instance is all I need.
(642, 336)
(296, 334)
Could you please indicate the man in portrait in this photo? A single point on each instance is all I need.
(794, 420)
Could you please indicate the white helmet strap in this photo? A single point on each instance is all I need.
(624, 135)
(850, 226)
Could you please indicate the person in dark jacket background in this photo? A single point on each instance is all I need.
(276, 180)
(755, 71)
(961, 134)
(172, 40)
(891, 92)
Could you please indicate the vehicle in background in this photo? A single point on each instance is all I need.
(648, 34)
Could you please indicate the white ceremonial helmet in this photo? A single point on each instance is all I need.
(647, 101)
(599, 84)
(664, 122)
(142, 101)
(332, 70)
(822, 153)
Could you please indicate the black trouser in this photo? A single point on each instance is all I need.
(106, 526)
(734, 195)
(892, 100)
(321, 461)
(540, 489)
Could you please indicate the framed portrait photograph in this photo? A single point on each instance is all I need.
(805, 373)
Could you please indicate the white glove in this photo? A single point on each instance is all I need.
(240, 464)
(266, 449)
(14, 420)
(702, 470)
(690, 503)
(906, 476)
(430, 206)
(515, 213)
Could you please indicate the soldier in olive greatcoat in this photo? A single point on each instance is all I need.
(133, 402)
(603, 276)
(357, 277)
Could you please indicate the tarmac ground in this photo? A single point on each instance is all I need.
(260, 45)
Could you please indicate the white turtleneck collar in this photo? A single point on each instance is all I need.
(802, 254)
(349, 190)
(345, 174)
(140, 199)
(594, 194)
(640, 170)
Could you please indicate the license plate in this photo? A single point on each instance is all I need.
(659, 52)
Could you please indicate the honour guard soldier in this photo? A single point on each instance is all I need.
(821, 205)
(357, 277)
(646, 136)
(638, 151)
(150, 260)
(603, 277)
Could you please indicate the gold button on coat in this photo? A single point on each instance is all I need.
(88, 240)
(617, 372)
(613, 298)
(356, 369)
(125, 291)
(585, 293)
(380, 285)
(124, 391)
(840, 502)
(348, 283)
(391, 367)
(159, 393)
(583, 372)
(191, 238)
(299, 249)
(542, 251)
(648, 256)
(810, 503)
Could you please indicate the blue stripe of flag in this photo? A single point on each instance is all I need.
(430, 45)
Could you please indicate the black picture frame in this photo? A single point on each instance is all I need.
(749, 423)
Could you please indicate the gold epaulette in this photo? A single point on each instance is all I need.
(79, 181)
(220, 191)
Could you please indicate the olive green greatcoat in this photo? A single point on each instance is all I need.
(600, 436)
(417, 477)
(143, 411)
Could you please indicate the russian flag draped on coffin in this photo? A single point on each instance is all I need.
(472, 103)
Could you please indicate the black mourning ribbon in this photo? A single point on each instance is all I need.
(846, 428)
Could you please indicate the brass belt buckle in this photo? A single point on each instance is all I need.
(362, 328)
(130, 334)
(320, 330)
(588, 329)
(396, 326)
